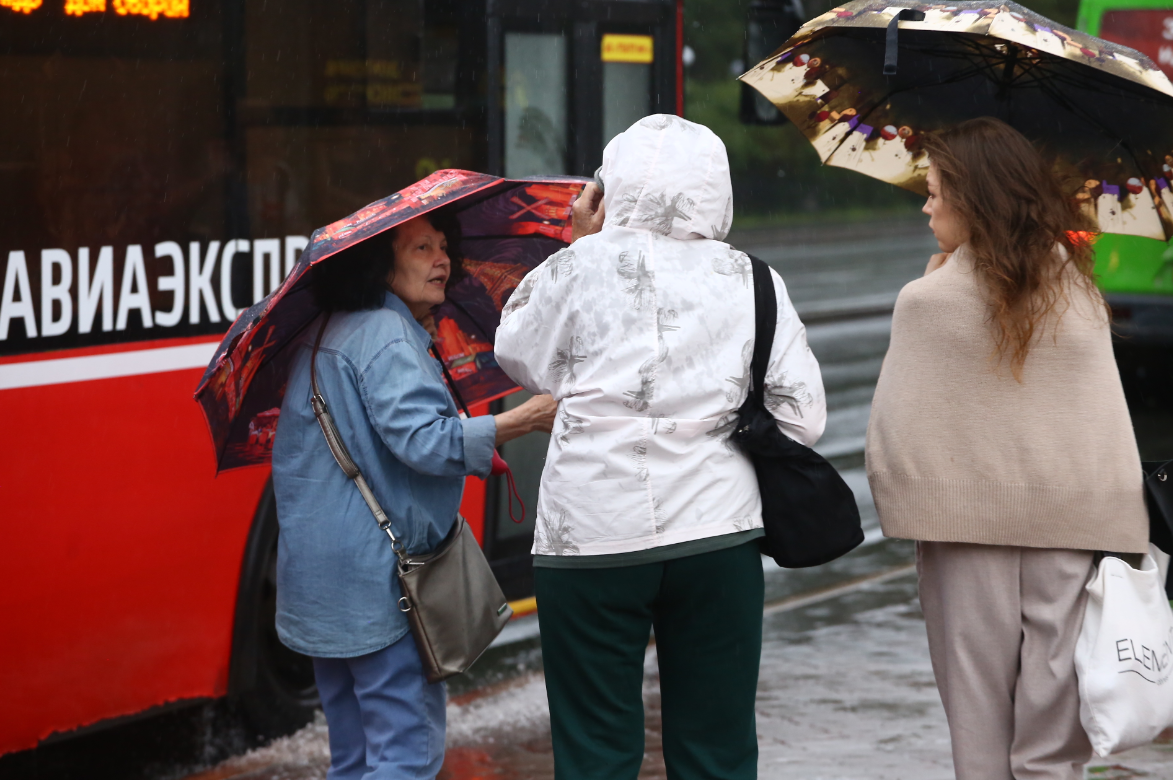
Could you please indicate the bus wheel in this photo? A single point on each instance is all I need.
(273, 685)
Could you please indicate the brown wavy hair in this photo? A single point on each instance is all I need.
(1015, 209)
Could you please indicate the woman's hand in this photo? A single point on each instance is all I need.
(586, 215)
(936, 261)
(536, 414)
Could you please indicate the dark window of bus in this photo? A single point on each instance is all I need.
(349, 101)
(112, 144)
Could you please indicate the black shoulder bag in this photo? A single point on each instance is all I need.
(809, 512)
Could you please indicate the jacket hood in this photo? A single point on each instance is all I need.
(669, 176)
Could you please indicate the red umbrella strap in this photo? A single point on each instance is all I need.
(501, 467)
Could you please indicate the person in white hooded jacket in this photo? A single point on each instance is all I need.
(648, 516)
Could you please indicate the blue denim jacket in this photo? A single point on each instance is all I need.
(337, 590)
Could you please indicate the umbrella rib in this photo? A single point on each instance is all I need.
(1038, 70)
(1035, 71)
(959, 76)
(1064, 102)
(1025, 67)
(982, 58)
(1098, 86)
(1050, 67)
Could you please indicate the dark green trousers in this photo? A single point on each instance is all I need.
(707, 614)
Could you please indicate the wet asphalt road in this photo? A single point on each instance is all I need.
(846, 689)
(843, 282)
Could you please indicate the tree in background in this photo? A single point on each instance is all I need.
(777, 177)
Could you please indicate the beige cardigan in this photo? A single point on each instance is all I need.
(959, 451)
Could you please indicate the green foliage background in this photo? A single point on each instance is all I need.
(777, 177)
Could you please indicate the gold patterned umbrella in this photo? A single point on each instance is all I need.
(865, 81)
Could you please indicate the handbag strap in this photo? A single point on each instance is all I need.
(338, 448)
(765, 323)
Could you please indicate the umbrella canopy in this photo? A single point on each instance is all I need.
(508, 227)
(1104, 111)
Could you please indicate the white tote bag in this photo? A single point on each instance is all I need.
(1124, 656)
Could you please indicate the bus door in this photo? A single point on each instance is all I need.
(569, 77)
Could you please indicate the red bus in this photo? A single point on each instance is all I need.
(161, 165)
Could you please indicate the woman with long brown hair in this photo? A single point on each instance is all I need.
(1000, 441)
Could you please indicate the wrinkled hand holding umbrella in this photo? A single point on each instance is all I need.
(865, 81)
(508, 227)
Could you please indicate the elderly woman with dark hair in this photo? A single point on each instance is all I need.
(336, 584)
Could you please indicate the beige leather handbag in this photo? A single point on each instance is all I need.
(451, 598)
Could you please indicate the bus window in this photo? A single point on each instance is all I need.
(627, 81)
(535, 103)
(322, 91)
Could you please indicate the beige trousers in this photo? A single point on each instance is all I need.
(1002, 625)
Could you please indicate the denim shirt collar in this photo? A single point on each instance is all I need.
(395, 303)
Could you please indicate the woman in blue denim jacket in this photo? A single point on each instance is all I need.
(336, 584)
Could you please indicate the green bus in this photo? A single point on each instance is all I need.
(1136, 274)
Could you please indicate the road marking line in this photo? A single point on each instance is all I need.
(37, 373)
(796, 602)
(526, 628)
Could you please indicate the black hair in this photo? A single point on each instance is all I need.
(356, 278)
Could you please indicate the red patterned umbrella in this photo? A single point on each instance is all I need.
(508, 227)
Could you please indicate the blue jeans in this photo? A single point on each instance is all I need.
(386, 721)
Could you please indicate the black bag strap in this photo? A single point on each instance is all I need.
(1159, 490)
(765, 323)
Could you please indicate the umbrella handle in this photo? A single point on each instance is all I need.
(890, 45)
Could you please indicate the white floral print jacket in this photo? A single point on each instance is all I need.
(644, 332)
